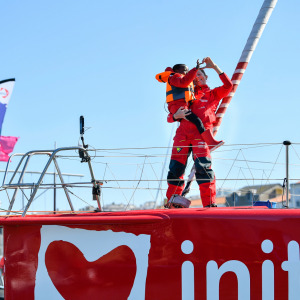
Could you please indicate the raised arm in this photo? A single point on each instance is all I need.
(183, 81)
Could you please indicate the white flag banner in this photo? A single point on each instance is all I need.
(6, 88)
(7, 143)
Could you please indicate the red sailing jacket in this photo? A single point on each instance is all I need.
(205, 107)
(183, 81)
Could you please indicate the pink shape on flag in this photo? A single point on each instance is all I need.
(7, 144)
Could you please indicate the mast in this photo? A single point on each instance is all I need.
(255, 34)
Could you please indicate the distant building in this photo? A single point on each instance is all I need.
(196, 202)
(110, 207)
(220, 198)
(148, 205)
(295, 195)
(118, 207)
(248, 195)
(87, 208)
(222, 192)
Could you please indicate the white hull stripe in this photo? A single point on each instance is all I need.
(231, 94)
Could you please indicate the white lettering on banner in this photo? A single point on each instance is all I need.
(267, 280)
(93, 244)
(267, 273)
(292, 266)
(214, 274)
(187, 273)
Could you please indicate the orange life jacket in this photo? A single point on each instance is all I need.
(174, 93)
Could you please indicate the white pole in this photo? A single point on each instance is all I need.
(255, 34)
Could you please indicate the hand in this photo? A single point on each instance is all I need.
(198, 64)
(209, 63)
(181, 113)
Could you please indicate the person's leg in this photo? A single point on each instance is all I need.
(205, 176)
(209, 139)
(196, 121)
(205, 133)
(180, 153)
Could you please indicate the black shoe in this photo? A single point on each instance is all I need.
(211, 205)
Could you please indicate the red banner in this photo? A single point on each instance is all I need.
(159, 254)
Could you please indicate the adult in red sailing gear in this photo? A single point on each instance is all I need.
(187, 138)
(180, 94)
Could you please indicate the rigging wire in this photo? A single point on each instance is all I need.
(275, 161)
(113, 150)
(164, 147)
(89, 184)
(165, 162)
(147, 181)
(247, 165)
(215, 158)
(295, 151)
(136, 185)
(78, 197)
(117, 181)
(159, 187)
(230, 169)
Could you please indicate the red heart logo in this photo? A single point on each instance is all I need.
(109, 277)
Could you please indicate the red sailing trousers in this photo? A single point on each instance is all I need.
(187, 139)
(205, 177)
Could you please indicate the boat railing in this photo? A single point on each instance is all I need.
(132, 180)
(52, 154)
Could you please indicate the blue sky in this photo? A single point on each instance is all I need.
(99, 59)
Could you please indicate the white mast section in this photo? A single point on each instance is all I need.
(255, 34)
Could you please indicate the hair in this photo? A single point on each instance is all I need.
(202, 70)
(176, 67)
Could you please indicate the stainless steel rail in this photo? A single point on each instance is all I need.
(52, 158)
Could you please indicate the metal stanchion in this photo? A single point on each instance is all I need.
(287, 144)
